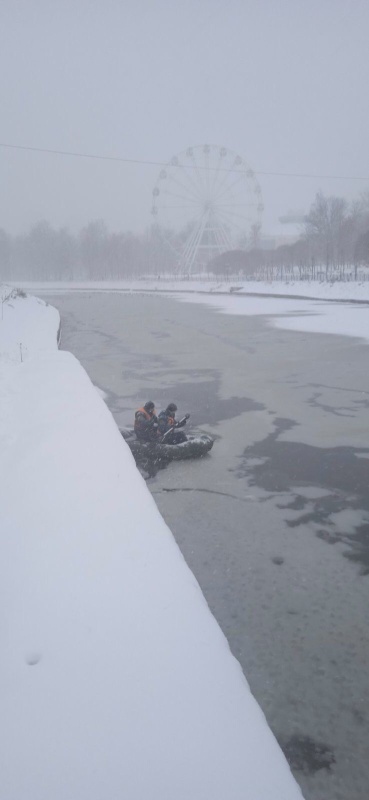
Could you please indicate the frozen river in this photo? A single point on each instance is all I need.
(275, 522)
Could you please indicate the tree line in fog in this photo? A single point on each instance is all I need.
(333, 239)
(334, 243)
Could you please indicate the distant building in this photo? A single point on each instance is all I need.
(287, 232)
(293, 218)
(270, 242)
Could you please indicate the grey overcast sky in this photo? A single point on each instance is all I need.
(284, 83)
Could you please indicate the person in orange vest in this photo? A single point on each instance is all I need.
(146, 423)
(167, 422)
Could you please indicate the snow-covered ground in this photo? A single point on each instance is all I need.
(321, 290)
(116, 680)
(345, 319)
(312, 313)
(27, 326)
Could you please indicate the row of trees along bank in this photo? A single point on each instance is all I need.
(334, 243)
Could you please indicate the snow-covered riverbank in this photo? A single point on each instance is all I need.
(117, 681)
(346, 314)
(355, 291)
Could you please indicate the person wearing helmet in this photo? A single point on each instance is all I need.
(146, 423)
(167, 422)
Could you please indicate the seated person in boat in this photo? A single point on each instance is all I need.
(146, 423)
(168, 425)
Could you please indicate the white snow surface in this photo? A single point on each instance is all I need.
(357, 291)
(345, 319)
(116, 680)
(299, 305)
(27, 326)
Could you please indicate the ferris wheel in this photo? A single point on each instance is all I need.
(208, 201)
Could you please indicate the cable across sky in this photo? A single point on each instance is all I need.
(144, 162)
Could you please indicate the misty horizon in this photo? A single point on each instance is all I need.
(333, 243)
(282, 86)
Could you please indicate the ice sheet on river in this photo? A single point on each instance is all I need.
(312, 316)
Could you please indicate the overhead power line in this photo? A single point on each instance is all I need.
(188, 166)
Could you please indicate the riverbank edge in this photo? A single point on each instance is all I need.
(340, 291)
(211, 695)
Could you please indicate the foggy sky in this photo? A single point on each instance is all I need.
(284, 83)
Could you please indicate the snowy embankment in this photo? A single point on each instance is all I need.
(278, 302)
(356, 291)
(311, 316)
(116, 679)
(340, 290)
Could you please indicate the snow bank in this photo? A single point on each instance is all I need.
(339, 290)
(289, 306)
(117, 681)
(27, 325)
(312, 316)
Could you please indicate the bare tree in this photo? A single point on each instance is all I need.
(325, 228)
